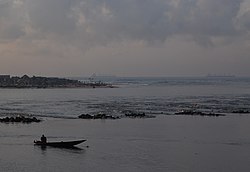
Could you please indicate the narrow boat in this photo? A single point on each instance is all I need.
(59, 144)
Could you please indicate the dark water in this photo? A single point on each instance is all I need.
(164, 143)
(150, 95)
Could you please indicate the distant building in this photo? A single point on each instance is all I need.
(4, 80)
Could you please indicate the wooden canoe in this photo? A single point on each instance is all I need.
(59, 144)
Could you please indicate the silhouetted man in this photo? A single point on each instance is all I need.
(43, 139)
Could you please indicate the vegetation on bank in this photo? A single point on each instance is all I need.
(6, 81)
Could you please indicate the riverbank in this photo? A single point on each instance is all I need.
(6, 81)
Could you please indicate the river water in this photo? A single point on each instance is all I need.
(164, 143)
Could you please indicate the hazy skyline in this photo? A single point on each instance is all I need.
(125, 37)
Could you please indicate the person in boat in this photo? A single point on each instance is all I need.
(43, 139)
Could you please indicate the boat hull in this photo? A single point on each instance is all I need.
(60, 144)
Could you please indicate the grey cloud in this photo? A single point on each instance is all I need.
(88, 23)
(4, 8)
(120, 20)
(51, 16)
(204, 20)
(12, 32)
(12, 25)
(244, 21)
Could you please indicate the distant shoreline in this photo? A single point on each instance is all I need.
(221, 76)
(38, 82)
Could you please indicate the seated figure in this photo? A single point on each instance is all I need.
(43, 139)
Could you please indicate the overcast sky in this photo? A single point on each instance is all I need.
(125, 37)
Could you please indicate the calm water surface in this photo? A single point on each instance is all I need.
(164, 143)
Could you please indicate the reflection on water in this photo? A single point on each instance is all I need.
(72, 149)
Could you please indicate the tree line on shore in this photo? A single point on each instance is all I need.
(6, 81)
